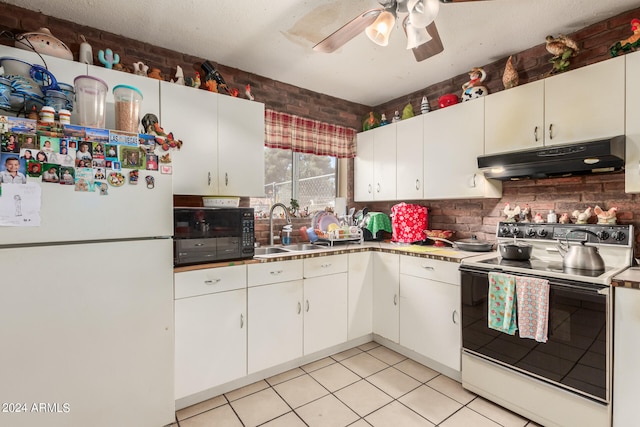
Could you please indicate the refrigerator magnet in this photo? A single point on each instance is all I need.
(166, 169)
(151, 182)
(133, 177)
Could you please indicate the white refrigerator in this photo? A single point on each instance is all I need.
(86, 309)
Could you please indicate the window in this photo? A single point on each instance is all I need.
(310, 179)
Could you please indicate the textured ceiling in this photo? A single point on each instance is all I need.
(275, 39)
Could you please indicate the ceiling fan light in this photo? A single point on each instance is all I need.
(379, 31)
(424, 12)
(416, 36)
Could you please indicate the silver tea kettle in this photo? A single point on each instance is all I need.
(580, 256)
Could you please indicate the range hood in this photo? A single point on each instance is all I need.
(597, 156)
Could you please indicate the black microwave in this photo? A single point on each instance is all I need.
(203, 235)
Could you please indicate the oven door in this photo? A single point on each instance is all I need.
(575, 357)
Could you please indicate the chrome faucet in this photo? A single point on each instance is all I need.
(286, 214)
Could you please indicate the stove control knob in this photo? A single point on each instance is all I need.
(603, 235)
(515, 231)
(542, 232)
(618, 235)
(531, 232)
(504, 231)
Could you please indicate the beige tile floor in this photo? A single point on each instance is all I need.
(369, 385)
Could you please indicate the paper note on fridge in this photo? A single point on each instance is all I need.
(20, 205)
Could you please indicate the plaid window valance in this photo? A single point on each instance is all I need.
(302, 135)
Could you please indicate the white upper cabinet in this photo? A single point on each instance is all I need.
(453, 140)
(632, 166)
(409, 173)
(514, 118)
(192, 116)
(586, 103)
(375, 165)
(240, 147)
(576, 106)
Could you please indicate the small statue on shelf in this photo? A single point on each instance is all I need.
(606, 217)
(631, 43)
(582, 217)
(562, 48)
(474, 88)
(511, 214)
(108, 58)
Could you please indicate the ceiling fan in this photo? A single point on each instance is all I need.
(418, 24)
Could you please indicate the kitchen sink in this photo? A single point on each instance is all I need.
(305, 247)
(269, 250)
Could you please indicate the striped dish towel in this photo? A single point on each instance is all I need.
(502, 304)
(533, 307)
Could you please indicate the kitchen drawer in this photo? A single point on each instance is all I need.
(209, 281)
(321, 266)
(274, 272)
(442, 271)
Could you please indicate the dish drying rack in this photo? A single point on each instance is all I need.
(331, 238)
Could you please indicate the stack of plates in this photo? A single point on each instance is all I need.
(322, 220)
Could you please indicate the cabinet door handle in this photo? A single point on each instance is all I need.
(307, 308)
(428, 267)
(212, 281)
(209, 178)
(241, 321)
(369, 188)
(378, 188)
(417, 184)
(551, 131)
(276, 272)
(299, 307)
(395, 299)
(226, 179)
(454, 313)
(535, 133)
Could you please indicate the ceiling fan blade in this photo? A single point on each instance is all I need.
(430, 48)
(348, 31)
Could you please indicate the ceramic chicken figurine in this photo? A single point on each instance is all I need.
(605, 217)
(510, 76)
(155, 73)
(511, 214)
(247, 92)
(631, 43)
(371, 122)
(538, 219)
(194, 82)
(179, 76)
(525, 214)
(211, 85)
(564, 219)
(582, 217)
(562, 48)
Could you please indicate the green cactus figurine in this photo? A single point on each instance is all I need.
(108, 58)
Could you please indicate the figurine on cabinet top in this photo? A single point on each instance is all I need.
(564, 219)
(371, 121)
(562, 48)
(140, 68)
(179, 76)
(631, 43)
(108, 58)
(474, 88)
(510, 76)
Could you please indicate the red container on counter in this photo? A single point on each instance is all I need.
(408, 222)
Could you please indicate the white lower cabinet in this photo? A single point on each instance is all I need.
(360, 297)
(210, 328)
(275, 324)
(430, 309)
(325, 312)
(386, 298)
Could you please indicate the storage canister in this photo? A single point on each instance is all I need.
(91, 101)
(127, 101)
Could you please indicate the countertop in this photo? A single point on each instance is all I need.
(440, 253)
(630, 278)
